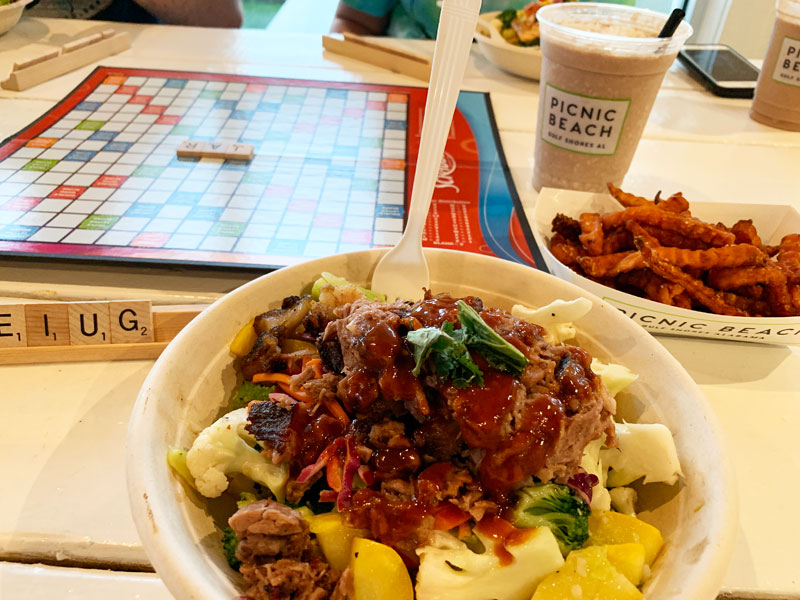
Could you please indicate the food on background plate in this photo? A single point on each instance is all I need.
(657, 250)
(465, 447)
(519, 27)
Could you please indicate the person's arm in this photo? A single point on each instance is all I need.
(201, 13)
(352, 20)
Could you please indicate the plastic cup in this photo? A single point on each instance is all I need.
(777, 98)
(602, 67)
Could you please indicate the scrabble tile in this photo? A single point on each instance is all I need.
(12, 326)
(47, 324)
(89, 323)
(131, 321)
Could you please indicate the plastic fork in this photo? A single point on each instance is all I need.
(403, 271)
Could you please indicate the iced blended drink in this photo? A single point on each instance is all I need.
(777, 99)
(601, 71)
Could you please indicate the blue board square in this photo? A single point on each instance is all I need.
(334, 93)
(287, 247)
(117, 146)
(345, 150)
(83, 155)
(242, 115)
(390, 211)
(270, 107)
(175, 83)
(17, 232)
(205, 213)
(143, 209)
(185, 198)
(318, 162)
(392, 124)
(226, 104)
(346, 172)
(93, 106)
(103, 136)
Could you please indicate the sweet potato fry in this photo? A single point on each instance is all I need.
(666, 237)
(746, 233)
(739, 255)
(617, 240)
(704, 295)
(591, 233)
(611, 265)
(627, 200)
(566, 251)
(771, 276)
(568, 227)
(675, 203)
(788, 257)
(688, 226)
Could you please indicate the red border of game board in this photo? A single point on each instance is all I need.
(416, 103)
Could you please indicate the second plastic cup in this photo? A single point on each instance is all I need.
(601, 70)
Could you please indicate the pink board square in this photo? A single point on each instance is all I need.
(140, 100)
(127, 89)
(21, 203)
(356, 236)
(376, 105)
(168, 119)
(329, 120)
(150, 240)
(256, 87)
(153, 109)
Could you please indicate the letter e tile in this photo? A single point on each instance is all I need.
(47, 324)
(89, 323)
(12, 326)
(131, 321)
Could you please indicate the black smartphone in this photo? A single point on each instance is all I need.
(720, 68)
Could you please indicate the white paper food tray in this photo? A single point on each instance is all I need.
(771, 221)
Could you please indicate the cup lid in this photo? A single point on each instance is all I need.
(611, 27)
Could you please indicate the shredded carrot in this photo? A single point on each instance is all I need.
(316, 364)
(276, 377)
(284, 382)
(337, 411)
(296, 394)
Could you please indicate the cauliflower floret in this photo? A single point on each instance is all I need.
(449, 570)
(226, 447)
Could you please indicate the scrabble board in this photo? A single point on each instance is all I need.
(97, 177)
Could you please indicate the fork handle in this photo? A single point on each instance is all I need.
(450, 55)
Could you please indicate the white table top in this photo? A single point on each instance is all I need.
(62, 426)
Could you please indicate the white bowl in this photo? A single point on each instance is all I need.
(525, 61)
(11, 13)
(195, 375)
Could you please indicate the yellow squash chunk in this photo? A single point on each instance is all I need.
(379, 572)
(609, 527)
(244, 340)
(628, 559)
(587, 574)
(334, 537)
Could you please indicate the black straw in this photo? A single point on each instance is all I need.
(672, 23)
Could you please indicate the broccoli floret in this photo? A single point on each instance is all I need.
(229, 544)
(557, 507)
(249, 392)
(507, 16)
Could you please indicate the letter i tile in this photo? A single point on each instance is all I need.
(47, 324)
